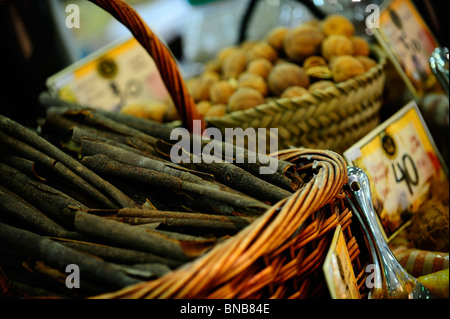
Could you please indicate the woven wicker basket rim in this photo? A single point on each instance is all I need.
(316, 96)
(201, 277)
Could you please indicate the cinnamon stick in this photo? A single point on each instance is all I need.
(184, 221)
(241, 180)
(103, 164)
(60, 169)
(91, 147)
(79, 133)
(26, 214)
(138, 238)
(134, 212)
(22, 133)
(95, 118)
(22, 164)
(123, 155)
(54, 203)
(56, 255)
(188, 224)
(118, 254)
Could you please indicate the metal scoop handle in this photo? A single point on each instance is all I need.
(439, 66)
(391, 279)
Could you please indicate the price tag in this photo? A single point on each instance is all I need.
(408, 41)
(401, 161)
(120, 74)
(338, 270)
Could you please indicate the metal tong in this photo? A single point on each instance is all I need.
(391, 281)
(439, 66)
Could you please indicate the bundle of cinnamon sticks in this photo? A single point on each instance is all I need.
(98, 189)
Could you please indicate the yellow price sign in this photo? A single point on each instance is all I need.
(408, 41)
(402, 161)
(338, 270)
(117, 75)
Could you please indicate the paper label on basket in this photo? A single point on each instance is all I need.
(401, 160)
(118, 75)
(338, 269)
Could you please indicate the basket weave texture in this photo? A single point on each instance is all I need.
(279, 255)
(332, 118)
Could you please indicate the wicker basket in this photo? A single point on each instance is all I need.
(281, 253)
(333, 118)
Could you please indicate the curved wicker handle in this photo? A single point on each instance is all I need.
(164, 60)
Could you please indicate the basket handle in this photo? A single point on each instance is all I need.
(163, 58)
